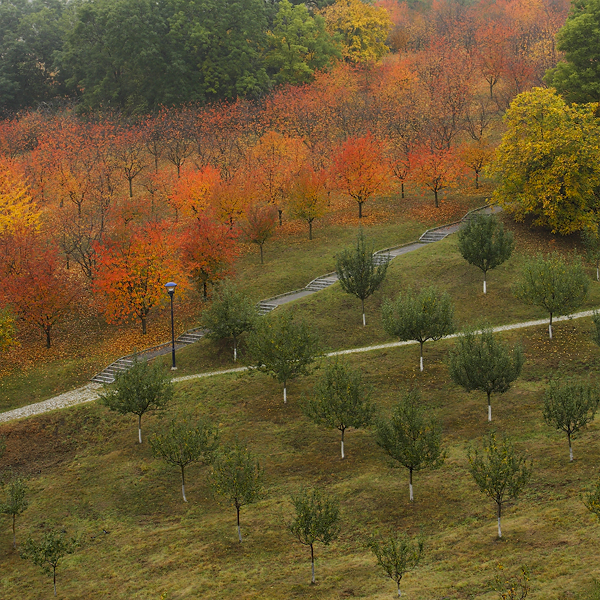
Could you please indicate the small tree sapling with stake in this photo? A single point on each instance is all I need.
(397, 555)
(360, 272)
(480, 362)
(317, 519)
(340, 400)
(558, 286)
(187, 441)
(483, 243)
(499, 471)
(141, 389)
(15, 503)
(569, 405)
(237, 476)
(427, 315)
(284, 348)
(411, 437)
(49, 551)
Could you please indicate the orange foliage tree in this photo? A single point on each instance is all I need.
(191, 193)
(436, 170)
(132, 271)
(309, 196)
(17, 210)
(208, 249)
(360, 169)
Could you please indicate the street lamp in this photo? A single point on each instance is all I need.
(171, 291)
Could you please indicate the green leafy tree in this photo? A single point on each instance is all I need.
(596, 328)
(49, 551)
(499, 471)
(548, 162)
(558, 286)
(299, 45)
(411, 437)
(359, 272)
(483, 243)
(340, 400)
(397, 555)
(569, 405)
(317, 519)
(592, 500)
(15, 503)
(591, 243)
(480, 362)
(283, 348)
(186, 442)
(237, 476)
(577, 76)
(230, 315)
(141, 389)
(427, 315)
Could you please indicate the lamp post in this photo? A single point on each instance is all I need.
(171, 291)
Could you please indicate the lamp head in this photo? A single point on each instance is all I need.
(170, 287)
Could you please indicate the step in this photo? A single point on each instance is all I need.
(320, 284)
(265, 308)
(381, 259)
(428, 238)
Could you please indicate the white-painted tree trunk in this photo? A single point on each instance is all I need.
(343, 449)
(484, 286)
(489, 412)
(499, 528)
(183, 492)
(597, 274)
(234, 353)
(399, 592)
(570, 453)
(421, 363)
(239, 532)
(550, 331)
(140, 428)
(284, 394)
(410, 488)
(364, 320)
(312, 564)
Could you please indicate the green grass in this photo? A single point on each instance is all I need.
(88, 474)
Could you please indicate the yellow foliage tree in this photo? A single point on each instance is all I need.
(362, 28)
(17, 209)
(548, 162)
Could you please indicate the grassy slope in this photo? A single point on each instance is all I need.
(89, 475)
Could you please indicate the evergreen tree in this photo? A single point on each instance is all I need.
(360, 271)
(419, 317)
(569, 405)
(480, 362)
(283, 348)
(317, 519)
(186, 442)
(483, 243)
(499, 471)
(141, 389)
(230, 315)
(340, 400)
(558, 286)
(237, 476)
(411, 437)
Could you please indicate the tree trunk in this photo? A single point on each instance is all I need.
(54, 578)
(476, 180)
(343, 430)
(570, 448)
(421, 357)
(360, 210)
(435, 193)
(499, 514)
(310, 230)
(234, 349)
(363, 312)
(14, 532)
(262, 262)
(312, 564)
(183, 483)
(47, 332)
(410, 486)
(597, 272)
(284, 393)
(550, 327)
(399, 592)
(484, 283)
(140, 428)
(402, 196)
(143, 325)
(489, 394)
(280, 211)
(237, 508)
(130, 187)
(204, 291)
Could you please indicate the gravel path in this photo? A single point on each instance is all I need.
(89, 392)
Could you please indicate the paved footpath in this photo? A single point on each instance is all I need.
(89, 392)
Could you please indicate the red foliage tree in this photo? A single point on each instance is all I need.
(436, 170)
(259, 225)
(208, 249)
